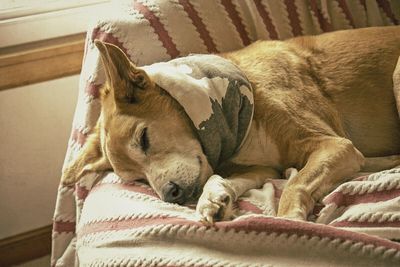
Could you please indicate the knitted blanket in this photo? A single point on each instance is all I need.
(116, 224)
(128, 225)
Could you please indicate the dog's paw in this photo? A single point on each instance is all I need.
(294, 204)
(297, 215)
(216, 201)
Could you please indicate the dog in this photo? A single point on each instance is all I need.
(322, 104)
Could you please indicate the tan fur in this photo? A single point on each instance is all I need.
(321, 104)
(323, 100)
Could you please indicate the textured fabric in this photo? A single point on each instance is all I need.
(215, 95)
(150, 31)
(369, 204)
(127, 224)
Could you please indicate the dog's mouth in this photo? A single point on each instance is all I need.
(197, 190)
(194, 195)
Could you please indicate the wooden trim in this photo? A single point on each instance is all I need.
(41, 61)
(26, 246)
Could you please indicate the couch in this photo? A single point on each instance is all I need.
(102, 221)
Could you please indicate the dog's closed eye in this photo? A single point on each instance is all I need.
(144, 140)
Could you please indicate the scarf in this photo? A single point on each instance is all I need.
(216, 96)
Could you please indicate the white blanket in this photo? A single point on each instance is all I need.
(128, 225)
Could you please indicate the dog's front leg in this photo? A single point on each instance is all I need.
(219, 194)
(334, 160)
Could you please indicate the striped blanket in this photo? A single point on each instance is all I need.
(128, 225)
(103, 222)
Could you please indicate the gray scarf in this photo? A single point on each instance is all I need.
(216, 96)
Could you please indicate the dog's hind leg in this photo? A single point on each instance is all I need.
(334, 160)
(381, 163)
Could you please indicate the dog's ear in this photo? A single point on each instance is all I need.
(89, 159)
(125, 80)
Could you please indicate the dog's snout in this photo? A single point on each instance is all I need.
(173, 193)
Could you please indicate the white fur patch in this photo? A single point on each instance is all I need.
(258, 149)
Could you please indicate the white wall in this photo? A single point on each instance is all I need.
(35, 123)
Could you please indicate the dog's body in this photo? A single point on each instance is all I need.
(313, 95)
(320, 105)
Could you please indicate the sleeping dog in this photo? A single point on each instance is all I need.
(211, 127)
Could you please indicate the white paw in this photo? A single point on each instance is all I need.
(216, 201)
(297, 215)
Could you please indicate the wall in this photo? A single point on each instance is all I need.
(35, 123)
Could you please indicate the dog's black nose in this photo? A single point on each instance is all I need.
(173, 193)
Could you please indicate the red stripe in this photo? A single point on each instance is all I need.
(200, 26)
(98, 34)
(266, 19)
(133, 187)
(81, 192)
(346, 11)
(385, 5)
(266, 225)
(248, 206)
(63, 227)
(366, 224)
(277, 184)
(293, 18)
(345, 200)
(159, 29)
(78, 137)
(361, 178)
(323, 23)
(235, 18)
(92, 89)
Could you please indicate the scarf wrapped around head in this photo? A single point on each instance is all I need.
(216, 96)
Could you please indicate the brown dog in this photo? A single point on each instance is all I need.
(321, 104)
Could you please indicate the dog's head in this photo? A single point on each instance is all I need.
(142, 133)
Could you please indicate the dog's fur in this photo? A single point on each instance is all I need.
(322, 104)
